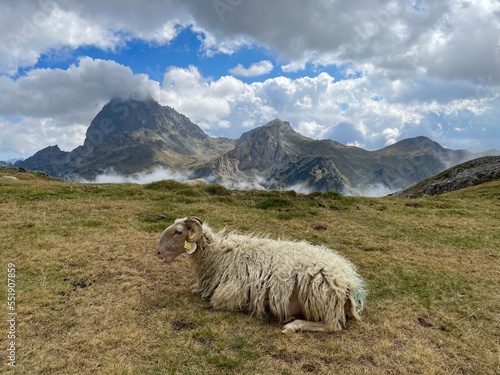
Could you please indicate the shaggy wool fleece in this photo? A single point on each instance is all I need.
(258, 274)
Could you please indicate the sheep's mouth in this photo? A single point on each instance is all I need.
(165, 258)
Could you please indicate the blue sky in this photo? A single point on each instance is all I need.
(153, 59)
(184, 50)
(361, 73)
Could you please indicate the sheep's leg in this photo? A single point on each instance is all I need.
(295, 309)
(294, 306)
(305, 325)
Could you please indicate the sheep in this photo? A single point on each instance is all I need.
(260, 275)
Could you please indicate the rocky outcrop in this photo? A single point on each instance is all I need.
(470, 173)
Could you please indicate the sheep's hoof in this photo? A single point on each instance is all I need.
(291, 327)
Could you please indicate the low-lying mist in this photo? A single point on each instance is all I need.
(257, 183)
(158, 174)
(376, 190)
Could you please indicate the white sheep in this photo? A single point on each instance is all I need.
(255, 274)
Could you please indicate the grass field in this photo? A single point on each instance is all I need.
(92, 298)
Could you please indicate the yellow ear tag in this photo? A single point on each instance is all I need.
(190, 247)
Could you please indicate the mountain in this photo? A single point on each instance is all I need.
(132, 136)
(278, 157)
(50, 160)
(470, 173)
(9, 162)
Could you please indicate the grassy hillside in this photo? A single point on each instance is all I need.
(92, 298)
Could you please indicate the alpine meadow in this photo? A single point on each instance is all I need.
(91, 296)
(330, 167)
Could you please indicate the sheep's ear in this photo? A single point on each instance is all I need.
(193, 225)
(195, 218)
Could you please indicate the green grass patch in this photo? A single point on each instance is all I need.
(427, 287)
(166, 186)
(216, 190)
(274, 203)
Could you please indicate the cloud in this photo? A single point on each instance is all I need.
(455, 42)
(56, 92)
(345, 132)
(158, 174)
(299, 188)
(311, 129)
(212, 45)
(24, 136)
(378, 190)
(391, 135)
(62, 103)
(257, 69)
(29, 29)
(214, 104)
(370, 111)
(439, 38)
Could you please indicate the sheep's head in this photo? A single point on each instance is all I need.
(178, 238)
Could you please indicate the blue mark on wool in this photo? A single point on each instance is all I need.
(360, 293)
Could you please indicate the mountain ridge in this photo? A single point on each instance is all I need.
(291, 159)
(132, 136)
(470, 173)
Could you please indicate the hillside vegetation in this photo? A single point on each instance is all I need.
(471, 173)
(92, 298)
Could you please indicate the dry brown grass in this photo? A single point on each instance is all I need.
(93, 299)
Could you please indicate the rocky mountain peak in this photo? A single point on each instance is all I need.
(263, 147)
(283, 126)
(419, 144)
(131, 136)
(273, 128)
(50, 150)
(140, 117)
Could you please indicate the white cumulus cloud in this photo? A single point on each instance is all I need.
(257, 69)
